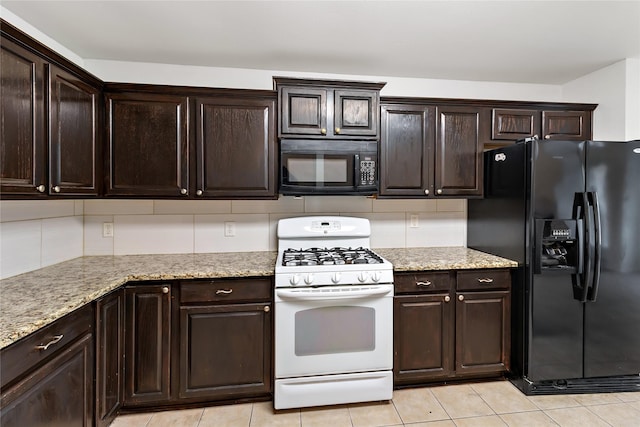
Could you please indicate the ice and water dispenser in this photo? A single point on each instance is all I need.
(557, 246)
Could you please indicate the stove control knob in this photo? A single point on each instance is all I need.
(363, 276)
(294, 280)
(336, 278)
(308, 279)
(375, 276)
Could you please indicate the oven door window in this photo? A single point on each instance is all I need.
(335, 330)
(318, 170)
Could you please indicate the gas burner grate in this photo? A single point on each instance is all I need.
(329, 256)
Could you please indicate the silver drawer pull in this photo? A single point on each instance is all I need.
(224, 291)
(56, 339)
(427, 283)
(485, 280)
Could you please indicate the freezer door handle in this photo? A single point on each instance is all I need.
(582, 279)
(594, 210)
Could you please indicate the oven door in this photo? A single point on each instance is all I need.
(333, 329)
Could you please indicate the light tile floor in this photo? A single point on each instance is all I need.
(496, 403)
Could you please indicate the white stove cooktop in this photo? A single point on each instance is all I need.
(332, 250)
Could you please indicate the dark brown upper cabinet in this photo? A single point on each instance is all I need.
(148, 145)
(514, 124)
(458, 152)
(328, 109)
(236, 147)
(569, 122)
(50, 113)
(73, 134)
(429, 151)
(22, 108)
(406, 150)
(566, 125)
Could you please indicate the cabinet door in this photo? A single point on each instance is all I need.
(483, 332)
(147, 343)
(423, 337)
(59, 393)
(303, 111)
(109, 357)
(458, 152)
(73, 134)
(356, 112)
(23, 155)
(566, 125)
(236, 147)
(148, 145)
(514, 124)
(406, 150)
(225, 351)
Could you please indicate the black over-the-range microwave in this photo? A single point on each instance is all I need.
(328, 167)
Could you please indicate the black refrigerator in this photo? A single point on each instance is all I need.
(569, 213)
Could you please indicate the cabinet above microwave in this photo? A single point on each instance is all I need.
(328, 109)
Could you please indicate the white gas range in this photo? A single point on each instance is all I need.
(333, 314)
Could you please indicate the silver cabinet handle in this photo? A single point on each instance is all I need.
(199, 193)
(266, 309)
(486, 280)
(439, 191)
(447, 298)
(41, 188)
(547, 137)
(56, 339)
(56, 188)
(224, 291)
(165, 289)
(183, 191)
(323, 131)
(337, 130)
(460, 297)
(427, 283)
(426, 192)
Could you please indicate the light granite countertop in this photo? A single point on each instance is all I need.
(32, 300)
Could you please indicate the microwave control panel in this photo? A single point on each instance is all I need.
(367, 172)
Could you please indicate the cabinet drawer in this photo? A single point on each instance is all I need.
(475, 280)
(20, 357)
(225, 290)
(422, 282)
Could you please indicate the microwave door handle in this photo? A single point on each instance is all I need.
(356, 170)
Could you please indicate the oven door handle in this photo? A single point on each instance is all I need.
(332, 293)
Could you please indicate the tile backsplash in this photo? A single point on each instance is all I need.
(35, 234)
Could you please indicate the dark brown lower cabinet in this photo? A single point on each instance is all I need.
(147, 344)
(225, 339)
(423, 334)
(452, 324)
(109, 356)
(482, 332)
(49, 375)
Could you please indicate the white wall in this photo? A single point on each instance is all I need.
(196, 226)
(36, 234)
(616, 90)
(139, 72)
(39, 233)
(632, 108)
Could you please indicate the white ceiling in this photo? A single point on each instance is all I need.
(509, 41)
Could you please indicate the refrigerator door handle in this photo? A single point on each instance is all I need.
(582, 280)
(594, 210)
